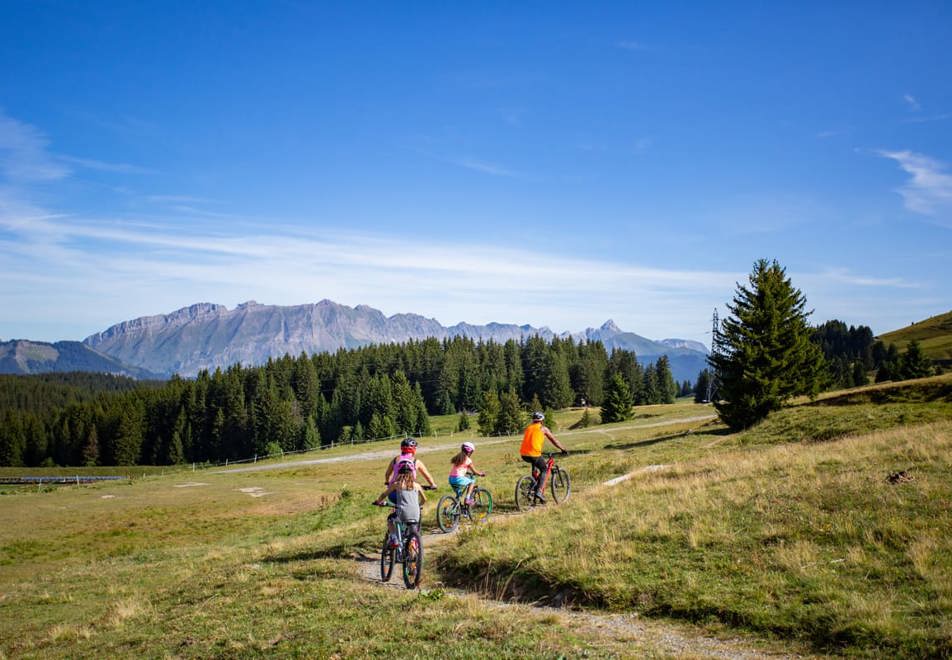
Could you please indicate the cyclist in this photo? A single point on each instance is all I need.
(408, 447)
(407, 496)
(531, 450)
(459, 473)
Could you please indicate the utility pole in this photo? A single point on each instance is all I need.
(715, 327)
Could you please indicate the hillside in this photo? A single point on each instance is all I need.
(933, 334)
(21, 356)
(824, 530)
(206, 336)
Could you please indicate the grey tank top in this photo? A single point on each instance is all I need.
(408, 505)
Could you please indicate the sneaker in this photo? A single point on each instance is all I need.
(539, 497)
(469, 501)
(393, 541)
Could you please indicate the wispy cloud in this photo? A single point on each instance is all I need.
(23, 153)
(929, 190)
(630, 44)
(102, 166)
(181, 199)
(486, 167)
(929, 118)
(827, 134)
(847, 277)
(912, 102)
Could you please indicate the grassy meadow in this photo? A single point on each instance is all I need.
(934, 335)
(787, 536)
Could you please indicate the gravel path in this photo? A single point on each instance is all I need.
(679, 641)
(389, 452)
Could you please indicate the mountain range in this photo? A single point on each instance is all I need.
(21, 356)
(207, 336)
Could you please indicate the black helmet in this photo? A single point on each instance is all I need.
(537, 416)
(408, 443)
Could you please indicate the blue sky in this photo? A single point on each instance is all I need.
(535, 163)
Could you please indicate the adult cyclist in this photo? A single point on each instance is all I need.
(531, 450)
(408, 447)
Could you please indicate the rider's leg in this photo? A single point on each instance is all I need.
(543, 469)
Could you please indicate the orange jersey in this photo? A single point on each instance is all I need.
(532, 440)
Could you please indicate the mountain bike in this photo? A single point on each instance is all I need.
(451, 508)
(560, 486)
(404, 546)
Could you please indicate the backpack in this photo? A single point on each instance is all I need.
(402, 460)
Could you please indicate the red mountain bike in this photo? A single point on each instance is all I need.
(560, 486)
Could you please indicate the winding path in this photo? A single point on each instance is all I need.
(387, 453)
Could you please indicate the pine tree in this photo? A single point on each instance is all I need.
(535, 405)
(90, 455)
(463, 423)
(617, 404)
(667, 388)
(914, 363)
(859, 374)
(509, 420)
(11, 440)
(310, 438)
(703, 385)
(488, 413)
(650, 388)
(763, 353)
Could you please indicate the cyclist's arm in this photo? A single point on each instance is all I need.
(420, 492)
(474, 470)
(421, 468)
(548, 434)
(384, 494)
(389, 474)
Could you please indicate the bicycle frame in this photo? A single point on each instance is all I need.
(549, 464)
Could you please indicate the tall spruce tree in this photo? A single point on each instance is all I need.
(618, 402)
(488, 412)
(701, 393)
(763, 353)
(509, 419)
(914, 363)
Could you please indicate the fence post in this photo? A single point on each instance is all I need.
(256, 458)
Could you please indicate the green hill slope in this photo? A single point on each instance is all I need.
(934, 334)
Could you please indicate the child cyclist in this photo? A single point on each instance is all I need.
(407, 496)
(459, 473)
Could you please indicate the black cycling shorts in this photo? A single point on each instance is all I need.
(538, 462)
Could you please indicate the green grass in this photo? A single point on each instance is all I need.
(191, 564)
(194, 564)
(789, 529)
(934, 335)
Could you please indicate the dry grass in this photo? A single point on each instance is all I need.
(803, 540)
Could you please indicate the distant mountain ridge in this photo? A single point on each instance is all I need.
(22, 356)
(208, 336)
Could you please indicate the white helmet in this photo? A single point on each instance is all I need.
(537, 416)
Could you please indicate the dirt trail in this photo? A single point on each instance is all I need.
(423, 449)
(678, 640)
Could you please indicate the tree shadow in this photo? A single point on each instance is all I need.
(664, 438)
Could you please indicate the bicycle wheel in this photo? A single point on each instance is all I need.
(561, 485)
(386, 559)
(447, 514)
(525, 492)
(482, 505)
(413, 560)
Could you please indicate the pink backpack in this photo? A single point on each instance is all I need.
(401, 461)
